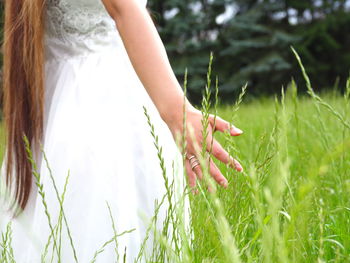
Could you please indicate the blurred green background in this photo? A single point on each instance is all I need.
(251, 40)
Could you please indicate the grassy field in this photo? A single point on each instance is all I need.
(292, 202)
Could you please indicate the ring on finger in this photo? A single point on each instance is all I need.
(190, 157)
(194, 163)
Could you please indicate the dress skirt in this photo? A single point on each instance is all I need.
(97, 136)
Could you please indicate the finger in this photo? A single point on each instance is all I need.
(190, 174)
(198, 171)
(222, 155)
(217, 175)
(210, 189)
(237, 165)
(221, 125)
(219, 152)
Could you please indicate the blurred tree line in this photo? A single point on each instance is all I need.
(251, 42)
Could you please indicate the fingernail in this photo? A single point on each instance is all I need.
(223, 183)
(238, 166)
(235, 130)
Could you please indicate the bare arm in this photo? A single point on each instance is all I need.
(148, 56)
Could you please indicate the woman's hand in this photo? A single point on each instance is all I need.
(194, 144)
(150, 61)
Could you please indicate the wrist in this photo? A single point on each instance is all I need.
(173, 111)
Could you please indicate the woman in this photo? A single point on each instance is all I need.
(77, 86)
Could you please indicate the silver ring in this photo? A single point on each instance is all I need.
(194, 164)
(191, 157)
(193, 161)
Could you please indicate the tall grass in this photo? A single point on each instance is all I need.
(290, 205)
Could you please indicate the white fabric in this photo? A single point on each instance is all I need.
(96, 130)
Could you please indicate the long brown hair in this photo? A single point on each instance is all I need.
(23, 89)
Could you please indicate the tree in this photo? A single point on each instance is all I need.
(253, 44)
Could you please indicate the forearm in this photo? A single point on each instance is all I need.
(148, 56)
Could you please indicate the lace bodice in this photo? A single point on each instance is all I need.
(78, 26)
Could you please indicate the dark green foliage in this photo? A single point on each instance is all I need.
(252, 45)
(326, 49)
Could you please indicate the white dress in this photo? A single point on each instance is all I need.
(95, 130)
